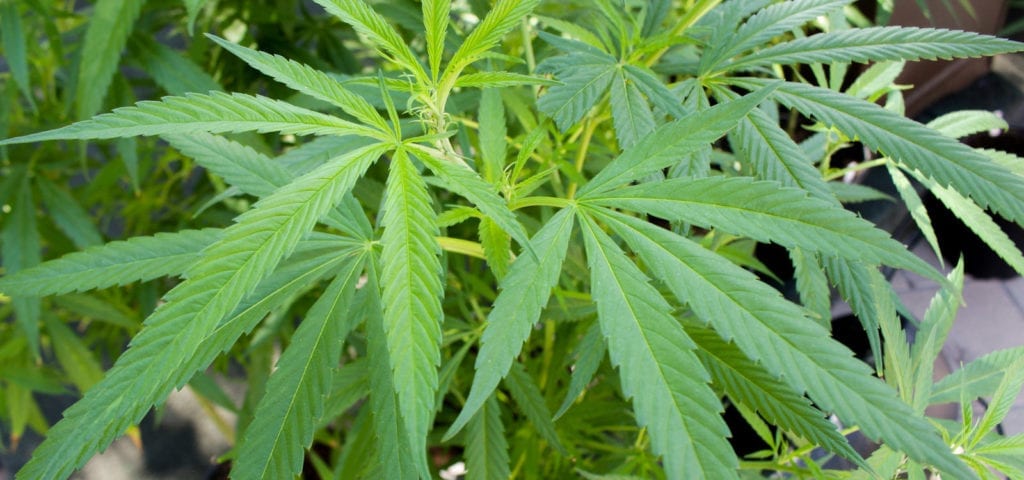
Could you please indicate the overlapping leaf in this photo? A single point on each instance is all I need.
(486, 447)
(657, 365)
(775, 333)
(110, 25)
(375, 28)
(525, 292)
(246, 253)
(284, 422)
(766, 212)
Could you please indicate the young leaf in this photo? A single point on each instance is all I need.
(943, 159)
(962, 123)
(109, 26)
(463, 181)
(980, 378)
(878, 44)
(856, 282)
(115, 263)
(580, 89)
(497, 247)
(486, 447)
(284, 422)
(632, 116)
(308, 80)
(375, 28)
(246, 253)
(657, 365)
(215, 113)
(766, 212)
(666, 145)
(502, 17)
(492, 135)
(932, 334)
(411, 289)
(435, 22)
(500, 80)
(525, 292)
(774, 332)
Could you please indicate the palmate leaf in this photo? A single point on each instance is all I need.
(775, 333)
(284, 422)
(812, 285)
(632, 117)
(525, 291)
(215, 113)
(308, 80)
(110, 24)
(765, 211)
(878, 44)
(580, 90)
(945, 160)
(855, 283)
(980, 378)
(932, 334)
(115, 263)
(246, 253)
(411, 289)
(766, 25)
(962, 123)
(486, 447)
(657, 365)
(747, 382)
(672, 141)
(375, 28)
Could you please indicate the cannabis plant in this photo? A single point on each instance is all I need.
(596, 174)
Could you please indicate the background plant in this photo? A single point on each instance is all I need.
(632, 151)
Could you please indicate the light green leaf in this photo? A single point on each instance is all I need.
(12, 38)
(500, 80)
(878, 44)
(775, 333)
(657, 92)
(962, 123)
(110, 24)
(1002, 401)
(526, 394)
(93, 308)
(308, 80)
(497, 247)
(977, 220)
(932, 334)
(492, 133)
(411, 289)
(747, 382)
(435, 22)
(350, 384)
(589, 354)
(856, 193)
(462, 180)
(69, 217)
(876, 80)
(486, 447)
(374, 27)
(657, 365)
(979, 378)
(285, 420)
(856, 282)
(525, 292)
(913, 202)
(235, 265)
(631, 115)
(503, 16)
(765, 211)
(672, 141)
(115, 263)
(766, 25)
